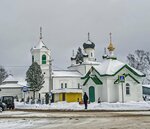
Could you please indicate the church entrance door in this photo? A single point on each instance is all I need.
(92, 94)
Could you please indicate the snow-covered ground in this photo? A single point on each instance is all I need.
(74, 120)
(21, 123)
(91, 106)
(79, 120)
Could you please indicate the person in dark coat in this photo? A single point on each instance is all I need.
(85, 98)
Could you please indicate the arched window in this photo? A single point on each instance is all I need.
(91, 54)
(65, 85)
(127, 88)
(43, 59)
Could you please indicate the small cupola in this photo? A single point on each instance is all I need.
(111, 48)
(89, 43)
(40, 53)
(89, 49)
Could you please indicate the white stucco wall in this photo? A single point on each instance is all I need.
(11, 92)
(135, 88)
(89, 51)
(98, 89)
(112, 90)
(37, 53)
(71, 82)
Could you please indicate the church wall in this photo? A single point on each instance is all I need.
(36, 54)
(135, 88)
(135, 91)
(71, 82)
(97, 92)
(44, 67)
(45, 87)
(47, 53)
(112, 90)
(98, 89)
(91, 53)
(104, 97)
(45, 71)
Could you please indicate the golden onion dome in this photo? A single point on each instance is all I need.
(111, 47)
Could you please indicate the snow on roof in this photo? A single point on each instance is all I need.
(40, 45)
(91, 62)
(66, 73)
(111, 66)
(10, 78)
(10, 86)
(86, 63)
(67, 91)
(148, 86)
(22, 83)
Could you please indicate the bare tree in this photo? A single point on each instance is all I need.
(140, 60)
(3, 74)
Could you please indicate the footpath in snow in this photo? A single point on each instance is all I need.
(91, 106)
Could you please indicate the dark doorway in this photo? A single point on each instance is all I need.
(63, 97)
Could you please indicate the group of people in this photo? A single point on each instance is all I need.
(85, 99)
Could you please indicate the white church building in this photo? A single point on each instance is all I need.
(85, 74)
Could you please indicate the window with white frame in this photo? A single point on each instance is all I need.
(61, 85)
(65, 85)
(78, 85)
(127, 88)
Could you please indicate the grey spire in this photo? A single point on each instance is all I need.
(41, 33)
(88, 36)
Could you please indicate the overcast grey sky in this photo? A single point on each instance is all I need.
(65, 26)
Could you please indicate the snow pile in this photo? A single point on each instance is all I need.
(91, 106)
(21, 123)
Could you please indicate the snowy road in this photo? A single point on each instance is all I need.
(74, 120)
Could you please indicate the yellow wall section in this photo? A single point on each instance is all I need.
(60, 97)
(71, 97)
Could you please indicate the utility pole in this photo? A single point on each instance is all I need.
(50, 76)
(122, 80)
(122, 92)
(50, 80)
